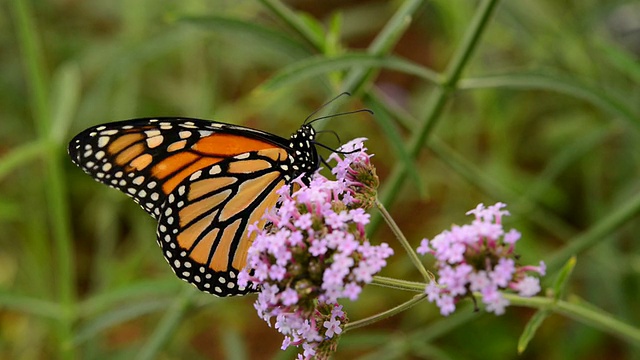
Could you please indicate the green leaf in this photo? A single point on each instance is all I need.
(261, 34)
(622, 60)
(65, 95)
(234, 344)
(30, 305)
(118, 316)
(384, 119)
(168, 325)
(319, 65)
(563, 276)
(314, 28)
(297, 22)
(332, 42)
(114, 298)
(20, 156)
(559, 84)
(530, 329)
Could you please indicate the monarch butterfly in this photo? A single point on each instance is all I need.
(203, 181)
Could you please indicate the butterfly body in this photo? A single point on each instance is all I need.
(204, 182)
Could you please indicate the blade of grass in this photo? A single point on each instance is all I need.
(382, 44)
(295, 22)
(581, 312)
(29, 305)
(600, 231)
(21, 156)
(54, 183)
(168, 325)
(384, 118)
(489, 185)
(624, 61)
(260, 34)
(65, 96)
(437, 101)
(319, 65)
(234, 344)
(141, 289)
(117, 317)
(559, 84)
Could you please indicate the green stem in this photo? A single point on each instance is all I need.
(403, 241)
(385, 314)
(398, 284)
(21, 155)
(581, 313)
(438, 99)
(171, 320)
(54, 181)
(599, 231)
(383, 44)
(295, 22)
(356, 79)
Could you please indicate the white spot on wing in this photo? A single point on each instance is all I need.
(102, 141)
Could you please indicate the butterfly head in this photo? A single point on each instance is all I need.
(305, 158)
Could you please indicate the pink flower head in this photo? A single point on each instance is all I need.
(478, 257)
(315, 254)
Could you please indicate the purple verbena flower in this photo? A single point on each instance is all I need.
(315, 253)
(478, 257)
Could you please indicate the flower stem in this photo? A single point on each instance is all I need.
(403, 241)
(398, 284)
(435, 105)
(581, 312)
(385, 314)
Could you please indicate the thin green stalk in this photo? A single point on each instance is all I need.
(54, 180)
(581, 313)
(171, 320)
(438, 99)
(601, 230)
(386, 314)
(403, 241)
(496, 189)
(295, 22)
(398, 284)
(21, 155)
(30, 305)
(383, 44)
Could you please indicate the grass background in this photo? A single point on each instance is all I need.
(533, 103)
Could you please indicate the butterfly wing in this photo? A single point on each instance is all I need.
(202, 227)
(204, 182)
(147, 158)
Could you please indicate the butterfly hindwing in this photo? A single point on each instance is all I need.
(202, 225)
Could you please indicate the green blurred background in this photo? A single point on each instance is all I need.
(535, 103)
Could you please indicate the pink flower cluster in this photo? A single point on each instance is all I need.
(478, 257)
(313, 253)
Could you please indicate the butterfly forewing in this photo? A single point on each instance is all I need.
(147, 158)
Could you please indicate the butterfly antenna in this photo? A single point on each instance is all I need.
(326, 163)
(331, 132)
(339, 114)
(325, 105)
(336, 150)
